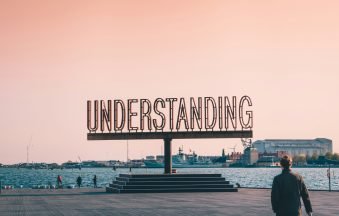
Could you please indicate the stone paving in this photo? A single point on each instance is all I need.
(87, 201)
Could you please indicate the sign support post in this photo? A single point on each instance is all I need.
(168, 155)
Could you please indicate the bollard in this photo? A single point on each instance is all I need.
(329, 177)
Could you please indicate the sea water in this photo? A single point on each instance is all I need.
(315, 178)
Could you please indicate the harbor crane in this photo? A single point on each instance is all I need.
(246, 142)
(234, 148)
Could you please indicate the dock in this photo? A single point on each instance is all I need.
(90, 201)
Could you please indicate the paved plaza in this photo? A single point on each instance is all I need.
(96, 202)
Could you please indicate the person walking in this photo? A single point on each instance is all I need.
(79, 181)
(287, 189)
(59, 181)
(95, 181)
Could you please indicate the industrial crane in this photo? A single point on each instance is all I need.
(246, 142)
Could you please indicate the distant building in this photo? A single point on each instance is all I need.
(250, 156)
(268, 161)
(103, 163)
(89, 163)
(295, 147)
(159, 158)
(207, 159)
(234, 156)
(150, 157)
(136, 162)
(277, 154)
(114, 163)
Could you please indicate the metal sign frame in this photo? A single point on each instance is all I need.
(223, 111)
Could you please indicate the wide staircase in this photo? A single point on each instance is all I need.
(165, 183)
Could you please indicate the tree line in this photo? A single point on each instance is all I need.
(315, 156)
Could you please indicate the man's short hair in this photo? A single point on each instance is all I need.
(286, 161)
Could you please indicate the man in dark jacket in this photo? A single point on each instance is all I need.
(287, 189)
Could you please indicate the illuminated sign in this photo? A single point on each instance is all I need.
(170, 114)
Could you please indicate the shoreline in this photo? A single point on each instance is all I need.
(174, 167)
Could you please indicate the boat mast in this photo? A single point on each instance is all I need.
(28, 147)
(127, 152)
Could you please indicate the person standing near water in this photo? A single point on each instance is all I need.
(59, 181)
(95, 181)
(287, 189)
(79, 181)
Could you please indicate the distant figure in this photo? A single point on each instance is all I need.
(79, 181)
(287, 189)
(114, 168)
(95, 181)
(238, 185)
(49, 185)
(130, 169)
(59, 181)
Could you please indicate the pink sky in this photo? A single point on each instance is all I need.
(56, 55)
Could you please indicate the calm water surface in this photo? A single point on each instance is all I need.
(315, 178)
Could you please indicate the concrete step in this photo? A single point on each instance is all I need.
(168, 175)
(171, 186)
(165, 183)
(161, 178)
(116, 186)
(119, 182)
(112, 190)
(171, 183)
(171, 190)
(174, 182)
